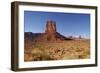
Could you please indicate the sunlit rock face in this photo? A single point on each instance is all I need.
(50, 34)
(50, 27)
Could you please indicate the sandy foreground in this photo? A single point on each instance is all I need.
(64, 50)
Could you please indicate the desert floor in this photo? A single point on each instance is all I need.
(65, 50)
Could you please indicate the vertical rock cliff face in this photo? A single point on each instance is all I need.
(50, 27)
(50, 34)
(50, 31)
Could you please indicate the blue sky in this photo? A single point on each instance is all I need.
(68, 24)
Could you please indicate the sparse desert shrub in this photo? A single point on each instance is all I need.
(28, 57)
(75, 49)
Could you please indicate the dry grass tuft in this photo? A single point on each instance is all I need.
(65, 50)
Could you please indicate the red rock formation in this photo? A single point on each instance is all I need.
(50, 31)
(50, 34)
(50, 27)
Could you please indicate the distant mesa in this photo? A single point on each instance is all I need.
(50, 34)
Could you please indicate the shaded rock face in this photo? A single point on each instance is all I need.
(50, 34)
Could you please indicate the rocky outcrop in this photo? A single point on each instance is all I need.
(50, 34)
(50, 27)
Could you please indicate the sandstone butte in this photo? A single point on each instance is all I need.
(50, 34)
